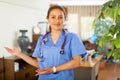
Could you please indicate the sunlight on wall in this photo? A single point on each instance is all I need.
(73, 23)
(86, 28)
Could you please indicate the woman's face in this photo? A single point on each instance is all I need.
(56, 19)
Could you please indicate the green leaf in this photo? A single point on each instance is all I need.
(102, 42)
(106, 5)
(107, 37)
(112, 46)
(112, 30)
(119, 11)
(118, 35)
(117, 23)
(113, 13)
(109, 55)
(102, 16)
(114, 3)
(117, 54)
(117, 42)
(107, 12)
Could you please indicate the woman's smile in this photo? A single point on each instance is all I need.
(57, 25)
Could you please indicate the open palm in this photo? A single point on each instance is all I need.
(15, 51)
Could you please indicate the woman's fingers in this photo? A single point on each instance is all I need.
(8, 49)
(44, 71)
(13, 51)
(38, 72)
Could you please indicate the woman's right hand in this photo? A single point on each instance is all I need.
(15, 51)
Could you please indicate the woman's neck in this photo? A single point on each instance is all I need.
(56, 32)
(55, 35)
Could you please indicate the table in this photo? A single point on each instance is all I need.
(2, 69)
(87, 71)
(21, 71)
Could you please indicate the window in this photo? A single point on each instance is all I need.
(80, 20)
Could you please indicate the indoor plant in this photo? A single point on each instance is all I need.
(107, 27)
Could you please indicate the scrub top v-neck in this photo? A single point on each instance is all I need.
(52, 57)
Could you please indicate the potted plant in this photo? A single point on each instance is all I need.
(107, 28)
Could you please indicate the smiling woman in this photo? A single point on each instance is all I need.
(57, 52)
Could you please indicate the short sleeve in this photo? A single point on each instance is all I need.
(77, 47)
(37, 51)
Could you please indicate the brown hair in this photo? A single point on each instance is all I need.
(56, 7)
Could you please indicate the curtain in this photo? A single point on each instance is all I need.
(80, 20)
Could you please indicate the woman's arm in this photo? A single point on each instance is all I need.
(29, 60)
(26, 58)
(74, 63)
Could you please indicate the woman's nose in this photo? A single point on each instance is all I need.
(57, 19)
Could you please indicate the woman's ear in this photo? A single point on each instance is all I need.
(47, 18)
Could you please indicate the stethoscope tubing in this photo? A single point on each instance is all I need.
(44, 39)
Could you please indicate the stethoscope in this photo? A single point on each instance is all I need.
(44, 39)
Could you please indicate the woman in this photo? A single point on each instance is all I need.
(58, 52)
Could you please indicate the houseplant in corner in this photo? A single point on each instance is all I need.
(107, 28)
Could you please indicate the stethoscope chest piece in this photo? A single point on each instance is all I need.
(62, 51)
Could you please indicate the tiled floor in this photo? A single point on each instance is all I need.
(111, 71)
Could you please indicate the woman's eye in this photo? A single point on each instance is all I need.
(53, 17)
(60, 17)
(57, 17)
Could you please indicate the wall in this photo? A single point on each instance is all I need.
(79, 2)
(16, 15)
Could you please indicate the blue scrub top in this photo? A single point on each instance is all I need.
(52, 57)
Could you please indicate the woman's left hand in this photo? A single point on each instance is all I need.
(44, 71)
